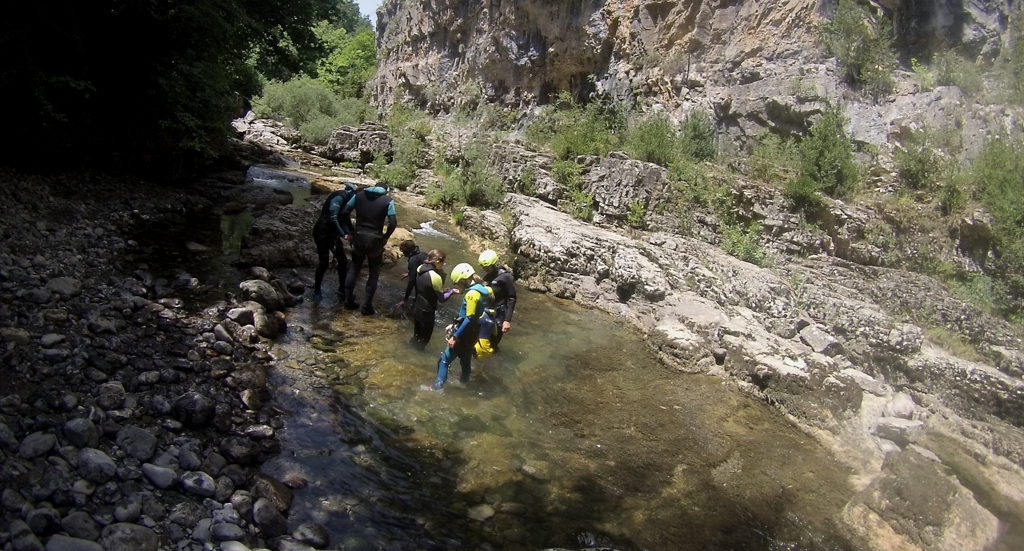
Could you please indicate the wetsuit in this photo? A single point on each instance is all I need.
(489, 329)
(429, 291)
(326, 232)
(373, 208)
(415, 260)
(504, 300)
(467, 331)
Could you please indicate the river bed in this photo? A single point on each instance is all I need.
(574, 435)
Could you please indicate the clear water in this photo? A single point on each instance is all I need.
(574, 434)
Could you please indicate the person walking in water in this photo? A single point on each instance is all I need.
(412, 252)
(328, 232)
(499, 278)
(466, 328)
(373, 208)
(429, 291)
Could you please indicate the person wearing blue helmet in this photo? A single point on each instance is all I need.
(328, 232)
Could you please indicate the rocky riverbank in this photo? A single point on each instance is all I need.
(935, 440)
(129, 420)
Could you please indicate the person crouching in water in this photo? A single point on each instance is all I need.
(429, 291)
(466, 330)
(489, 331)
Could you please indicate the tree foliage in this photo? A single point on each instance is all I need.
(863, 44)
(146, 84)
(351, 61)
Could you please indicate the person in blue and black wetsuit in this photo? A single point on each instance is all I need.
(416, 258)
(373, 208)
(466, 328)
(429, 291)
(327, 233)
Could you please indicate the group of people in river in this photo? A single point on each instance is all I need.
(489, 300)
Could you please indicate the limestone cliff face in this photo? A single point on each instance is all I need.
(755, 64)
(521, 51)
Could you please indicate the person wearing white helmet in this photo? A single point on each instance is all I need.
(499, 278)
(466, 329)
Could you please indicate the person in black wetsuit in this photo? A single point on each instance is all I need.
(327, 234)
(499, 279)
(429, 291)
(412, 252)
(373, 208)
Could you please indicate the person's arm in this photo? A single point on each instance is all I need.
(336, 206)
(410, 285)
(346, 215)
(510, 294)
(472, 312)
(392, 221)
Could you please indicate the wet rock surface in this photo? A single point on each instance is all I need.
(127, 422)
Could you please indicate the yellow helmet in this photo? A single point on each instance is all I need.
(488, 258)
(462, 272)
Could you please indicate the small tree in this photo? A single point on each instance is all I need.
(863, 44)
(827, 155)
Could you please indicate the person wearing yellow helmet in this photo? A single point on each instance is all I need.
(466, 328)
(499, 278)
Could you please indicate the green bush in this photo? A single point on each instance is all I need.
(401, 171)
(776, 160)
(863, 44)
(917, 164)
(469, 183)
(827, 156)
(527, 183)
(571, 129)
(308, 103)
(953, 70)
(999, 177)
(637, 215)
(744, 242)
(577, 202)
(804, 193)
(351, 112)
(698, 142)
(654, 141)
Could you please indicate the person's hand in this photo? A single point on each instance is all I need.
(505, 327)
(403, 276)
(456, 291)
(452, 342)
(348, 237)
(401, 303)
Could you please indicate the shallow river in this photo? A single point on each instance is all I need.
(574, 435)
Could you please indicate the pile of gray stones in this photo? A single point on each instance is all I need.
(127, 421)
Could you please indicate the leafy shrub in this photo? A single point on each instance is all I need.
(1015, 57)
(923, 76)
(470, 182)
(917, 164)
(744, 242)
(864, 46)
(654, 141)
(571, 129)
(804, 193)
(578, 202)
(527, 183)
(827, 156)
(953, 70)
(698, 142)
(999, 176)
(308, 105)
(351, 112)
(697, 188)
(637, 215)
(775, 160)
